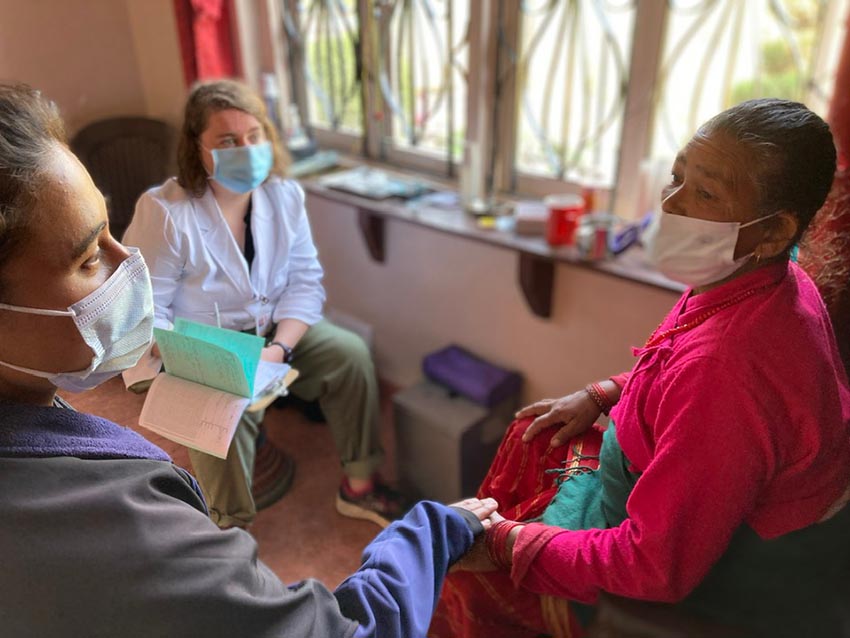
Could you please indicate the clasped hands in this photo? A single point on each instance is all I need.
(571, 415)
(477, 559)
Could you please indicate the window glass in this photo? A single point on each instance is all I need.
(423, 65)
(722, 52)
(323, 37)
(572, 73)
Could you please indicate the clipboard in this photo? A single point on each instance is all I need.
(273, 391)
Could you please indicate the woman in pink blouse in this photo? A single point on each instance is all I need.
(721, 483)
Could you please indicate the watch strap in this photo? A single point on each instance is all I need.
(287, 351)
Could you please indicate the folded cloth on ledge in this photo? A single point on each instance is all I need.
(470, 376)
(374, 183)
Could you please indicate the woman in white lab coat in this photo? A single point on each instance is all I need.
(229, 240)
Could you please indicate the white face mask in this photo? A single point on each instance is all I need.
(695, 252)
(115, 321)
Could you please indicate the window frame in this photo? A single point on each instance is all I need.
(492, 108)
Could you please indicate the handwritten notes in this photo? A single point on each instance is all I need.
(189, 414)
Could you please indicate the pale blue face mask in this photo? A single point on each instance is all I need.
(115, 321)
(241, 169)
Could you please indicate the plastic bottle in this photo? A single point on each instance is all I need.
(271, 97)
(298, 143)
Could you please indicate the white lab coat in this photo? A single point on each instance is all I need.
(197, 269)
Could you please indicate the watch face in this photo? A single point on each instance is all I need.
(287, 353)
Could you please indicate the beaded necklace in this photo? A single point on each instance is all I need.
(657, 337)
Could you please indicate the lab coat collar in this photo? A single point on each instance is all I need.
(222, 247)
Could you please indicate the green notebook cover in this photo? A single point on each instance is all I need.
(216, 357)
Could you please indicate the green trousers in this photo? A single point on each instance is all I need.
(335, 368)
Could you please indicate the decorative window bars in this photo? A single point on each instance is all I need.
(558, 93)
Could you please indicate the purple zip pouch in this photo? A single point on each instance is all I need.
(470, 376)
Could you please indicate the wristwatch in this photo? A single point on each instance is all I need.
(287, 351)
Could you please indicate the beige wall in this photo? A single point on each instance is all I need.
(157, 48)
(435, 289)
(95, 58)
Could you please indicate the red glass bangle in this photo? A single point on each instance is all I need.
(599, 397)
(605, 398)
(497, 543)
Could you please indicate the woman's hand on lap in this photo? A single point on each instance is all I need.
(574, 413)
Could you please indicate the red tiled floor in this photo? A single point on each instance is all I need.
(301, 535)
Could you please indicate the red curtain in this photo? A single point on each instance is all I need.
(826, 249)
(206, 39)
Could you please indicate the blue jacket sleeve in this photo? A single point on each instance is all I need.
(395, 591)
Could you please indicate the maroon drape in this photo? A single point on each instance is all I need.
(825, 253)
(206, 39)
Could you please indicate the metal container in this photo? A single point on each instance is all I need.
(585, 235)
(592, 236)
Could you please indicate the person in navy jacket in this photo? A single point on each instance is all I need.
(102, 534)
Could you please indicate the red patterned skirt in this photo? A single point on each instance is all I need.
(522, 479)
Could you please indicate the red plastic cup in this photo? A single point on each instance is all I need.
(564, 213)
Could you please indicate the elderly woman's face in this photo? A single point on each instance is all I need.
(68, 254)
(713, 178)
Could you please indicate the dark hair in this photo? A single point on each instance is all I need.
(793, 152)
(204, 99)
(30, 128)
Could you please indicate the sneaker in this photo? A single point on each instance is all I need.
(382, 505)
(274, 470)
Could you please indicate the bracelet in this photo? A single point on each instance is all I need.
(599, 397)
(287, 351)
(497, 543)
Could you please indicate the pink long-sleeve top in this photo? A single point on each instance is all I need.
(742, 419)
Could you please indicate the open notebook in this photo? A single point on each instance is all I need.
(212, 375)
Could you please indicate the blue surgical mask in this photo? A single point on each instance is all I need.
(241, 169)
